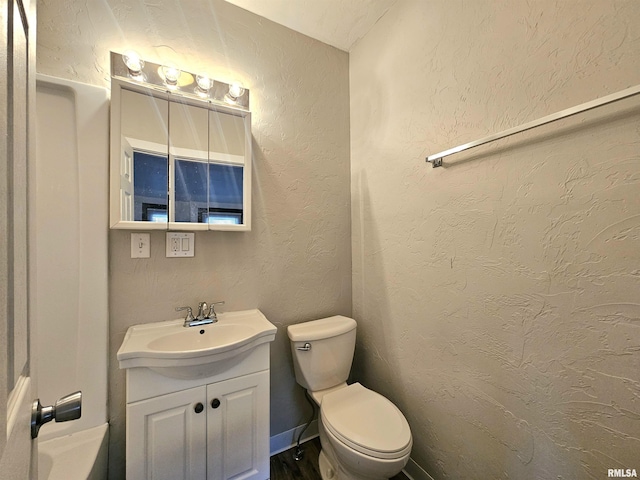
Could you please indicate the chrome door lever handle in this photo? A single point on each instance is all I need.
(65, 409)
(305, 348)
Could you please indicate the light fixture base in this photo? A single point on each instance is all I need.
(151, 75)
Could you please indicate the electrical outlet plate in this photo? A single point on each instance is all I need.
(180, 244)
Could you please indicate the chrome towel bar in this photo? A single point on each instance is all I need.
(436, 159)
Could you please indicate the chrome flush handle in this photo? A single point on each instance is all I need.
(305, 348)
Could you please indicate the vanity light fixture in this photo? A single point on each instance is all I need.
(134, 63)
(169, 78)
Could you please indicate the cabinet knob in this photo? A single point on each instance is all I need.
(199, 407)
(215, 403)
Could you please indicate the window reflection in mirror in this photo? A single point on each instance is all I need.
(191, 189)
(225, 194)
(189, 157)
(208, 165)
(150, 187)
(144, 158)
(208, 193)
(226, 169)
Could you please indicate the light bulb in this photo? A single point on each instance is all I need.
(133, 62)
(236, 90)
(171, 74)
(204, 82)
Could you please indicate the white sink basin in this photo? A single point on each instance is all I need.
(191, 340)
(176, 351)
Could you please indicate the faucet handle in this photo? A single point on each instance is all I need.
(212, 310)
(189, 316)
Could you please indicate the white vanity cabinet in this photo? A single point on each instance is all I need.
(216, 431)
(198, 398)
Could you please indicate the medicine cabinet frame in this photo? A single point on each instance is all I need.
(121, 157)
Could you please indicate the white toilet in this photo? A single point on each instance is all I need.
(363, 435)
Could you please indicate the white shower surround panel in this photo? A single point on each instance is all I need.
(70, 238)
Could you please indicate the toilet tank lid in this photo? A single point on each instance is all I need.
(319, 329)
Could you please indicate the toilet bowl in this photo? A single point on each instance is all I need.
(363, 435)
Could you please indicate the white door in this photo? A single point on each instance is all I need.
(238, 428)
(17, 90)
(166, 437)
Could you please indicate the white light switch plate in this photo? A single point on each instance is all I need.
(140, 245)
(180, 244)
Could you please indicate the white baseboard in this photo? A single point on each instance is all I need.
(415, 471)
(285, 440)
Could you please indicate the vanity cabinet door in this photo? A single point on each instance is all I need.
(238, 428)
(166, 437)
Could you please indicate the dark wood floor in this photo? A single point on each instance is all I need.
(284, 467)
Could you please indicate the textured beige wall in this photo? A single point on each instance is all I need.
(296, 262)
(498, 298)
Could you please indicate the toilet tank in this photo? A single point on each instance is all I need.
(327, 361)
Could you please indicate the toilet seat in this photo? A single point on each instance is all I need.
(366, 421)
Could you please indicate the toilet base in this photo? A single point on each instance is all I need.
(354, 465)
(329, 472)
(326, 469)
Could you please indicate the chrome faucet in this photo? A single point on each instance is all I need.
(202, 311)
(206, 314)
(190, 320)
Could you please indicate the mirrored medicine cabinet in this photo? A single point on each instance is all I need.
(180, 158)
